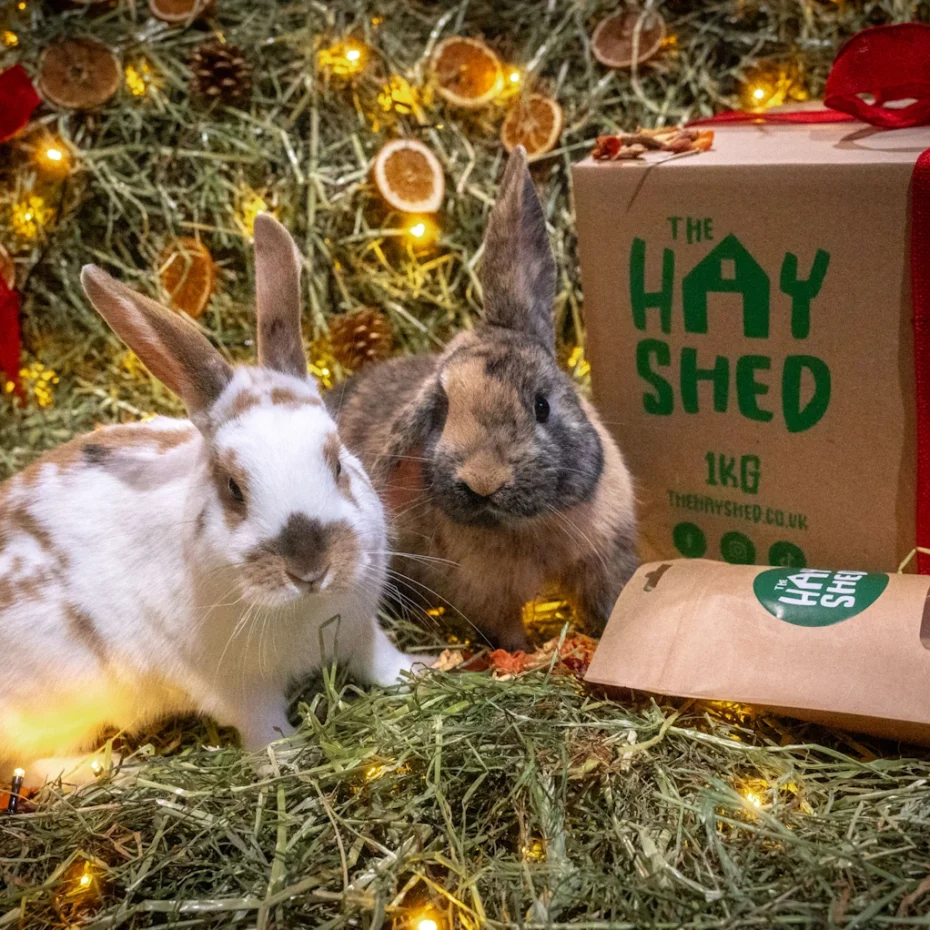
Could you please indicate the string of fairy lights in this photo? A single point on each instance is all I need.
(346, 58)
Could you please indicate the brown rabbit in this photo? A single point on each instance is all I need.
(498, 475)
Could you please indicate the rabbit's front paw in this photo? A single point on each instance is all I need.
(419, 663)
(395, 669)
(260, 718)
(386, 665)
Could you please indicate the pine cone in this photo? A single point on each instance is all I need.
(360, 338)
(221, 72)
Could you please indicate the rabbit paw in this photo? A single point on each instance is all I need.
(394, 667)
(261, 718)
(513, 639)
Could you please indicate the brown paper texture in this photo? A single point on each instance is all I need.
(749, 329)
(844, 648)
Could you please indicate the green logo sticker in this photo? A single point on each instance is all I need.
(737, 549)
(689, 540)
(788, 555)
(808, 597)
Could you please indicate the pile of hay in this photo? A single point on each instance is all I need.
(465, 800)
(482, 803)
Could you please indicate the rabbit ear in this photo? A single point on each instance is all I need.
(173, 349)
(518, 270)
(277, 298)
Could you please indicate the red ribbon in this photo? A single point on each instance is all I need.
(10, 346)
(888, 64)
(745, 116)
(18, 98)
(920, 299)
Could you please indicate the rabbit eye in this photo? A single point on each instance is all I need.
(337, 471)
(236, 491)
(542, 409)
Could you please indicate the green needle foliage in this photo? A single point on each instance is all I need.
(474, 802)
(148, 169)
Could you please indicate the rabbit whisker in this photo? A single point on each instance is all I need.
(411, 610)
(237, 629)
(412, 555)
(579, 535)
(407, 579)
(406, 458)
(422, 502)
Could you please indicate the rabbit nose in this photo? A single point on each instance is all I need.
(304, 545)
(484, 478)
(313, 579)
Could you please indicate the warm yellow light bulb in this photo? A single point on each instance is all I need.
(343, 59)
(421, 231)
(514, 77)
(19, 773)
(753, 799)
(759, 93)
(53, 157)
(28, 216)
(251, 203)
(85, 880)
(427, 923)
(9, 39)
(141, 78)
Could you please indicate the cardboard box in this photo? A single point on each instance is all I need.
(749, 332)
(849, 649)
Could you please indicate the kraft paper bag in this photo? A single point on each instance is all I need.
(848, 649)
(749, 329)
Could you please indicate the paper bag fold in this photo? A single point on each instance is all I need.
(846, 648)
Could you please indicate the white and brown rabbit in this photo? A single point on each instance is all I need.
(189, 565)
(499, 476)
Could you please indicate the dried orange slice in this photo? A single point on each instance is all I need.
(535, 122)
(177, 11)
(188, 275)
(467, 73)
(7, 269)
(409, 177)
(79, 74)
(612, 42)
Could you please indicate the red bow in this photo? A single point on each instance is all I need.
(18, 98)
(886, 63)
(10, 347)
